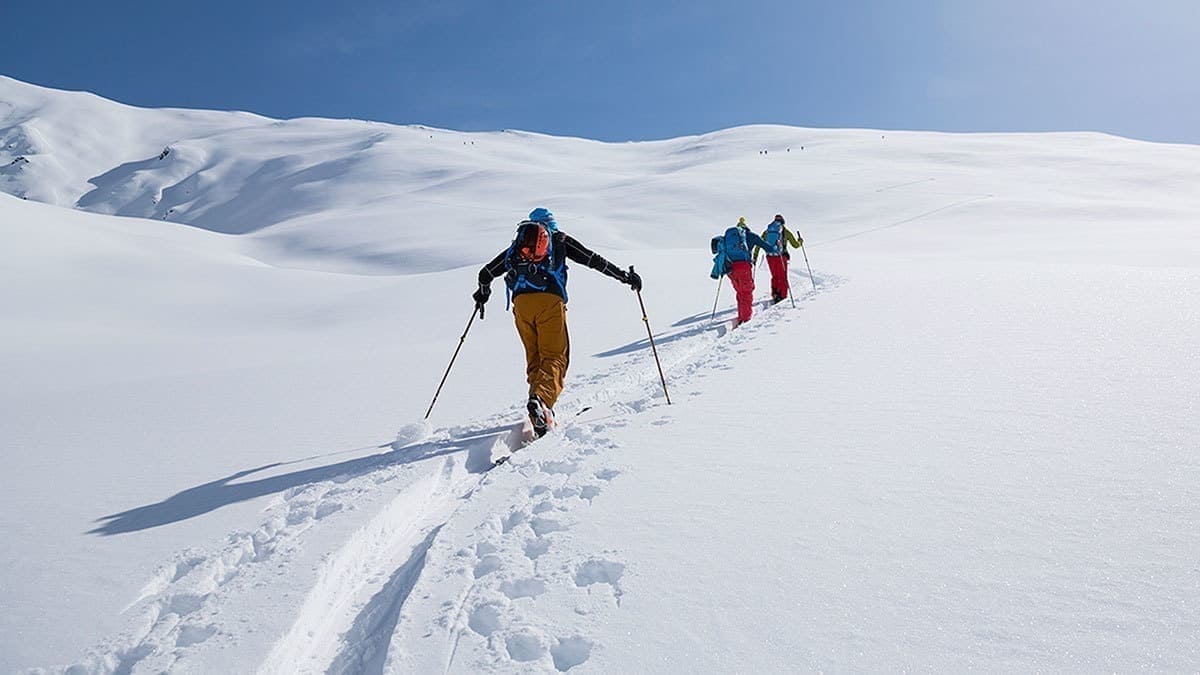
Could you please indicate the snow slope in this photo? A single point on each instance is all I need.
(971, 444)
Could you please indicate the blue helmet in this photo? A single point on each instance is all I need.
(542, 215)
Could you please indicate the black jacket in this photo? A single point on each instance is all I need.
(564, 247)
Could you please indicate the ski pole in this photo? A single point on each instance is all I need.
(478, 312)
(787, 276)
(650, 334)
(810, 276)
(714, 312)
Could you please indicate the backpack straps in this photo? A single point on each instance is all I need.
(524, 274)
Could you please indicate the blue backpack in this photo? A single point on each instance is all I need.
(775, 236)
(729, 247)
(534, 263)
(720, 264)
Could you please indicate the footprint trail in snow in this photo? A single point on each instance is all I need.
(368, 609)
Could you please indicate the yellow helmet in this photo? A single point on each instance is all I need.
(742, 220)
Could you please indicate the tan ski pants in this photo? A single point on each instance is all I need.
(541, 320)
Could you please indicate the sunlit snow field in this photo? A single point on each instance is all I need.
(972, 442)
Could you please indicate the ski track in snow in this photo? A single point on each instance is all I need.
(386, 554)
(180, 607)
(523, 548)
(354, 612)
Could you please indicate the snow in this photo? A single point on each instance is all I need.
(971, 444)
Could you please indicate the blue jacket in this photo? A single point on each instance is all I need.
(741, 253)
(734, 246)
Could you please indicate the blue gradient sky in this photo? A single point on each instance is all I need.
(623, 69)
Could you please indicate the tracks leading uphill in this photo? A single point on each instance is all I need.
(345, 622)
(369, 603)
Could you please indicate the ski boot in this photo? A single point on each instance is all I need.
(540, 416)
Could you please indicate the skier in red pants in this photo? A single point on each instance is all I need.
(733, 258)
(779, 236)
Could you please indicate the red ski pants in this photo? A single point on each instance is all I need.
(779, 278)
(742, 278)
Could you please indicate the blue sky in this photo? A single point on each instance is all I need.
(622, 69)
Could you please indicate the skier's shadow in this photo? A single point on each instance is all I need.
(720, 327)
(210, 496)
(688, 320)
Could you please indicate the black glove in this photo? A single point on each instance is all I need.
(633, 279)
(481, 296)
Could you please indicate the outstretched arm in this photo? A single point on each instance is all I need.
(493, 269)
(585, 256)
(754, 250)
(488, 272)
(755, 240)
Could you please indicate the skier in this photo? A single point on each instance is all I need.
(534, 267)
(733, 257)
(780, 236)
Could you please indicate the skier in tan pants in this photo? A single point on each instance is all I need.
(535, 271)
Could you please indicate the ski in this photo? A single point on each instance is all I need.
(527, 431)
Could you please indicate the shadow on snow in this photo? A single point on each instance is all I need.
(210, 496)
(720, 327)
(718, 322)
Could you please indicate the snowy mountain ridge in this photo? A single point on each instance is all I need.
(971, 444)
(352, 196)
